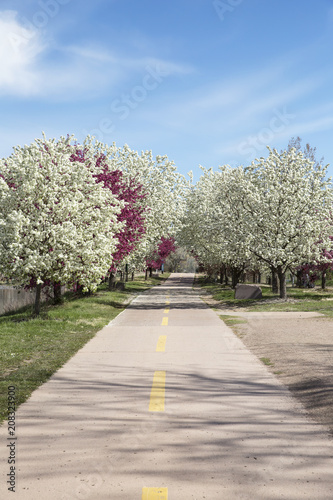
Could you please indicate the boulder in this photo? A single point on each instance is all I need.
(248, 292)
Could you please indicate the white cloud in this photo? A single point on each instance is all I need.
(19, 51)
(31, 67)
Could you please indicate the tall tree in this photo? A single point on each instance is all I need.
(56, 223)
(208, 224)
(129, 191)
(287, 210)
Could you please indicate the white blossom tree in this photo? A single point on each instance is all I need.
(56, 223)
(208, 225)
(163, 185)
(283, 203)
(274, 212)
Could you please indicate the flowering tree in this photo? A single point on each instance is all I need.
(56, 223)
(285, 202)
(163, 204)
(165, 247)
(126, 189)
(157, 197)
(310, 272)
(209, 225)
(274, 212)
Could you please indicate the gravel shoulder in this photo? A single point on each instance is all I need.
(299, 347)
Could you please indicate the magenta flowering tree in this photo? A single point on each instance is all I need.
(131, 193)
(164, 248)
(308, 273)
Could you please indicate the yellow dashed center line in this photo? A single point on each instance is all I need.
(161, 343)
(165, 321)
(157, 394)
(167, 302)
(166, 310)
(154, 494)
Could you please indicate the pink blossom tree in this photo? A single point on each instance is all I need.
(308, 273)
(164, 248)
(131, 193)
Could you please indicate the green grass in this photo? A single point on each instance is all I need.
(267, 361)
(32, 349)
(231, 320)
(306, 299)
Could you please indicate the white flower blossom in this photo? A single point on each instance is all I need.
(56, 222)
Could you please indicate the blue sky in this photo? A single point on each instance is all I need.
(205, 82)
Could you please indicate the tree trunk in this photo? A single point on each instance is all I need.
(275, 288)
(37, 300)
(146, 273)
(221, 274)
(57, 298)
(299, 279)
(235, 276)
(254, 276)
(150, 272)
(259, 278)
(226, 277)
(283, 284)
(132, 276)
(323, 280)
(112, 280)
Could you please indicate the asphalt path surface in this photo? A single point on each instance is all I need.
(166, 403)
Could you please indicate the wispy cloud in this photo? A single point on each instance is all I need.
(267, 106)
(32, 67)
(316, 125)
(232, 151)
(20, 48)
(99, 54)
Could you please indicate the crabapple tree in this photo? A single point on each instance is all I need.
(56, 222)
(285, 204)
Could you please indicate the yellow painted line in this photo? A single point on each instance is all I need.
(157, 394)
(165, 321)
(154, 493)
(167, 301)
(161, 343)
(166, 310)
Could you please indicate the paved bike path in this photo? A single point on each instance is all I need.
(166, 403)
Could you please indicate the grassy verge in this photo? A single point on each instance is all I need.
(301, 299)
(232, 320)
(32, 349)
